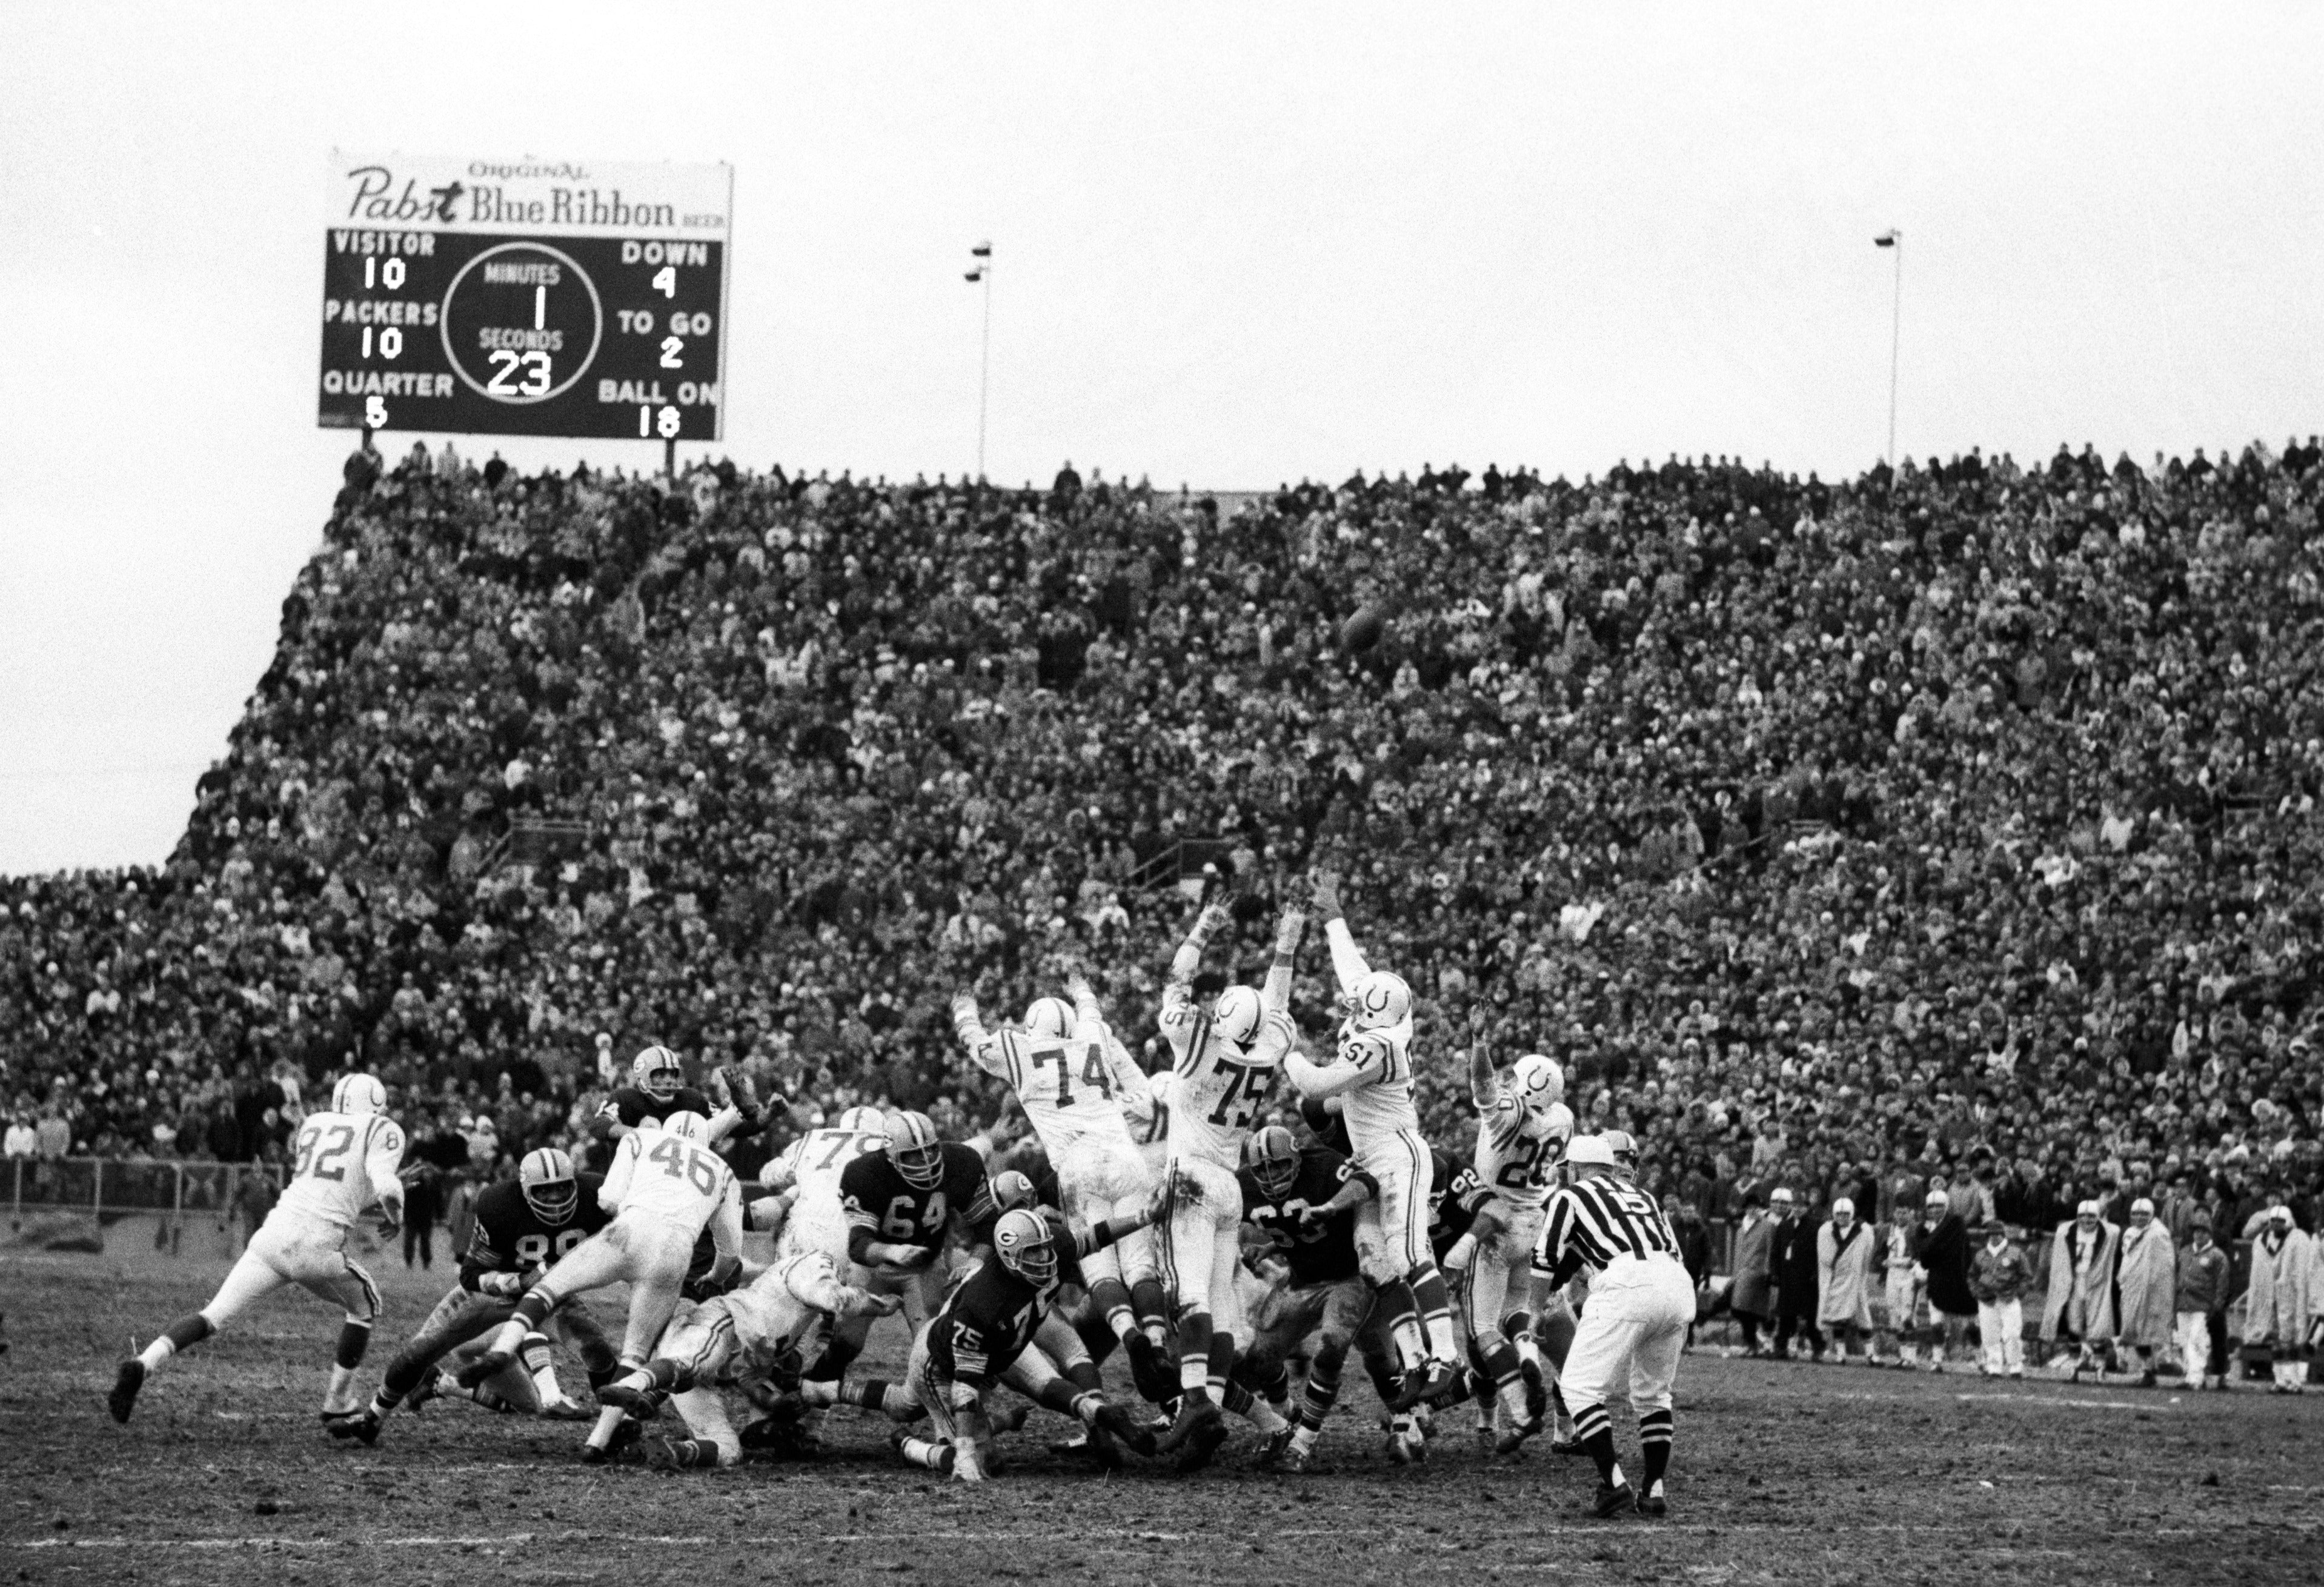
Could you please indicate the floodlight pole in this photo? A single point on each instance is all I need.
(1896, 340)
(984, 366)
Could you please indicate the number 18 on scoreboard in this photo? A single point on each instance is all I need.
(525, 297)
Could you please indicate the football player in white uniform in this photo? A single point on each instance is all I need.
(1372, 1077)
(1065, 1069)
(665, 1189)
(810, 1167)
(1523, 1126)
(742, 1337)
(347, 1160)
(1226, 1061)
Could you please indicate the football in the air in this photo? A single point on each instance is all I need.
(1363, 631)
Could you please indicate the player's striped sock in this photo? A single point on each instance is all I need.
(1595, 1429)
(1501, 1367)
(927, 1452)
(1654, 1443)
(185, 1333)
(1436, 1302)
(1317, 1398)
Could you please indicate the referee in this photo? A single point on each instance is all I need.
(1640, 1303)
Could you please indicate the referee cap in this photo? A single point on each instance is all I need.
(1589, 1150)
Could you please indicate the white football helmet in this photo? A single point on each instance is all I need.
(358, 1094)
(686, 1126)
(863, 1121)
(1378, 1001)
(1238, 1015)
(1537, 1081)
(1049, 1017)
(656, 1072)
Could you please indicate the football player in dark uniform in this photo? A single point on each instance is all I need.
(658, 1088)
(523, 1228)
(1454, 1203)
(980, 1337)
(1305, 1200)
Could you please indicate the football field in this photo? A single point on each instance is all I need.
(1784, 1473)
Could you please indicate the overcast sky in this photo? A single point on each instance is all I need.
(1235, 245)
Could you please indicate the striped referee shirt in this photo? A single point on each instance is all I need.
(1593, 1221)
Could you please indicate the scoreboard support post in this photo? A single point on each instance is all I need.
(670, 460)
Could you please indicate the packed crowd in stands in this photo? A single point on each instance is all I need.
(1953, 826)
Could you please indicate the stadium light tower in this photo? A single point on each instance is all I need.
(980, 274)
(1894, 239)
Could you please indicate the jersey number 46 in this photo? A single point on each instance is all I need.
(682, 1159)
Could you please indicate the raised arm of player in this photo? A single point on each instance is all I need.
(1320, 1082)
(982, 1046)
(1275, 992)
(1178, 990)
(1347, 960)
(1484, 1086)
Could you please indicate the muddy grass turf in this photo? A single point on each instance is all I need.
(1784, 1473)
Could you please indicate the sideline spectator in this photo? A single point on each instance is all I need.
(2146, 1285)
(2206, 1277)
(1999, 1276)
(2282, 1302)
(1792, 1261)
(1844, 1277)
(1752, 1299)
(2080, 1307)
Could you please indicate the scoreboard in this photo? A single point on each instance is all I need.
(525, 297)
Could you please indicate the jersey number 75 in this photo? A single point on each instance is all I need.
(1248, 1085)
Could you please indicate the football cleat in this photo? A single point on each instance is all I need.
(1566, 1446)
(1127, 1429)
(1514, 1439)
(1536, 1389)
(1614, 1499)
(1203, 1443)
(1009, 1420)
(363, 1425)
(644, 1404)
(126, 1385)
(489, 1365)
(567, 1410)
(1151, 1370)
(1274, 1454)
(1100, 1447)
(1195, 1410)
(1651, 1503)
(431, 1387)
(679, 1455)
(1433, 1380)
